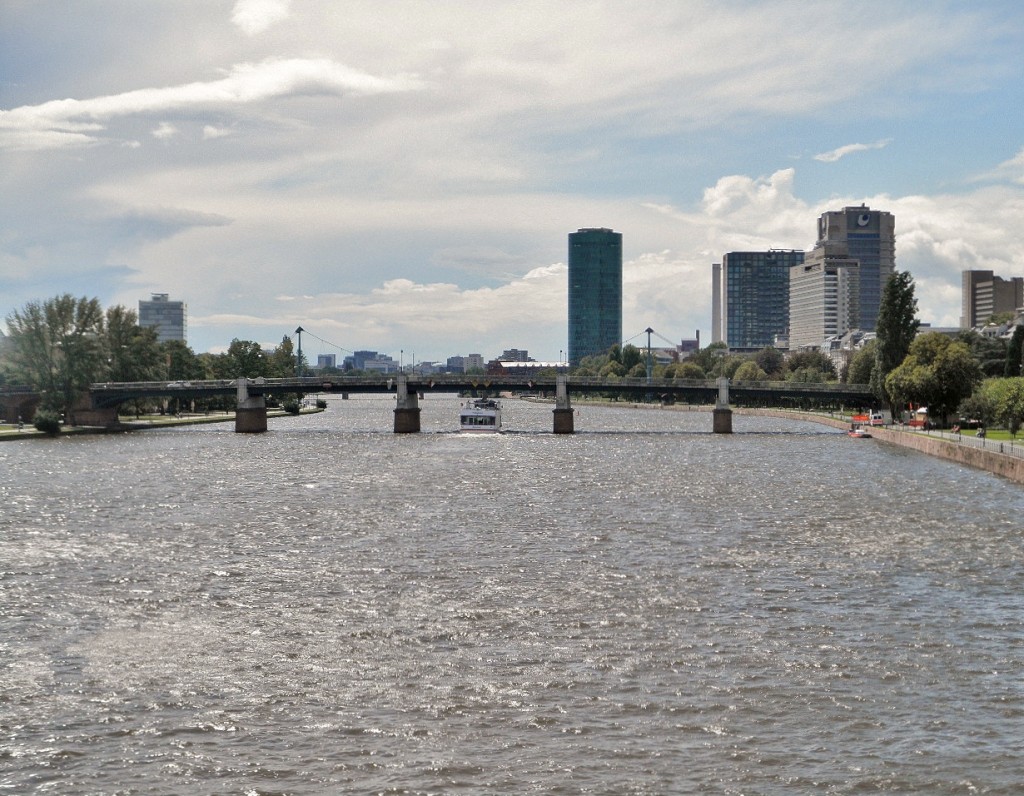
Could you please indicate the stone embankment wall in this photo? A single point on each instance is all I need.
(987, 458)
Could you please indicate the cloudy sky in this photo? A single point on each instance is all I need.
(402, 176)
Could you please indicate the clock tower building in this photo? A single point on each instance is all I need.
(869, 237)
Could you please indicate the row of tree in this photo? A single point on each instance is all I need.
(628, 361)
(62, 345)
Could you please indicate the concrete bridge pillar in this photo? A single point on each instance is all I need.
(407, 409)
(563, 423)
(722, 414)
(83, 413)
(19, 406)
(251, 414)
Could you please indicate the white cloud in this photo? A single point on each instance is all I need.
(165, 131)
(255, 16)
(1012, 169)
(843, 151)
(211, 131)
(72, 122)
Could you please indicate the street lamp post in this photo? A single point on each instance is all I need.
(298, 358)
(649, 331)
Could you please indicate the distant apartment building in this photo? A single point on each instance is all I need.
(465, 364)
(687, 347)
(370, 361)
(824, 296)
(169, 318)
(595, 292)
(326, 361)
(751, 295)
(515, 355)
(984, 294)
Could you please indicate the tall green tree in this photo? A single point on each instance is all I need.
(862, 364)
(1014, 352)
(938, 372)
(988, 351)
(183, 364)
(749, 371)
(282, 363)
(245, 358)
(690, 370)
(58, 347)
(133, 353)
(631, 356)
(1007, 396)
(897, 327)
(706, 357)
(771, 361)
(810, 367)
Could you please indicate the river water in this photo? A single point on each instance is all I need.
(641, 608)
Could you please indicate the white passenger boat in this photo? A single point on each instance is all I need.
(480, 415)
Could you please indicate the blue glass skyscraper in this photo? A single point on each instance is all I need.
(754, 298)
(595, 292)
(870, 239)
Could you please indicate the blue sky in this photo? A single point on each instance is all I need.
(402, 176)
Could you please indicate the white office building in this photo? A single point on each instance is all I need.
(169, 318)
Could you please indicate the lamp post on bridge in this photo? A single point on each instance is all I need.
(298, 358)
(649, 331)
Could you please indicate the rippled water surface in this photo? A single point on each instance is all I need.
(642, 607)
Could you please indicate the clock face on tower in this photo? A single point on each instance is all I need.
(863, 219)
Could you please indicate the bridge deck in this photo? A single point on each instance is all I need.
(691, 390)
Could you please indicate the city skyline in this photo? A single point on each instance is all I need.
(403, 177)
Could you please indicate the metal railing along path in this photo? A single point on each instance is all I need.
(1006, 448)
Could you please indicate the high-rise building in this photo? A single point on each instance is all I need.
(169, 318)
(752, 290)
(824, 296)
(985, 295)
(717, 334)
(595, 292)
(870, 239)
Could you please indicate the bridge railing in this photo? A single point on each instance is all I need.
(121, 386)
(312, 383)
(1005, 447)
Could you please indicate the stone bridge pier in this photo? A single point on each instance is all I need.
(251, 414)
(563, 414)
(15, 406)
(407, 408)
(722, 415)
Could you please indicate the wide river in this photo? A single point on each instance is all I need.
(643, 607)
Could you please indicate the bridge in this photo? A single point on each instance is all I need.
(251, 394)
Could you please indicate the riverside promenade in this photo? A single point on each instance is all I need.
(999, 457)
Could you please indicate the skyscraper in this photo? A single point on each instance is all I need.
(595, 292)
(717, 333)
(170, 318)
(985, 294)
(824, 296)
(870, 239)
(752, 291)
